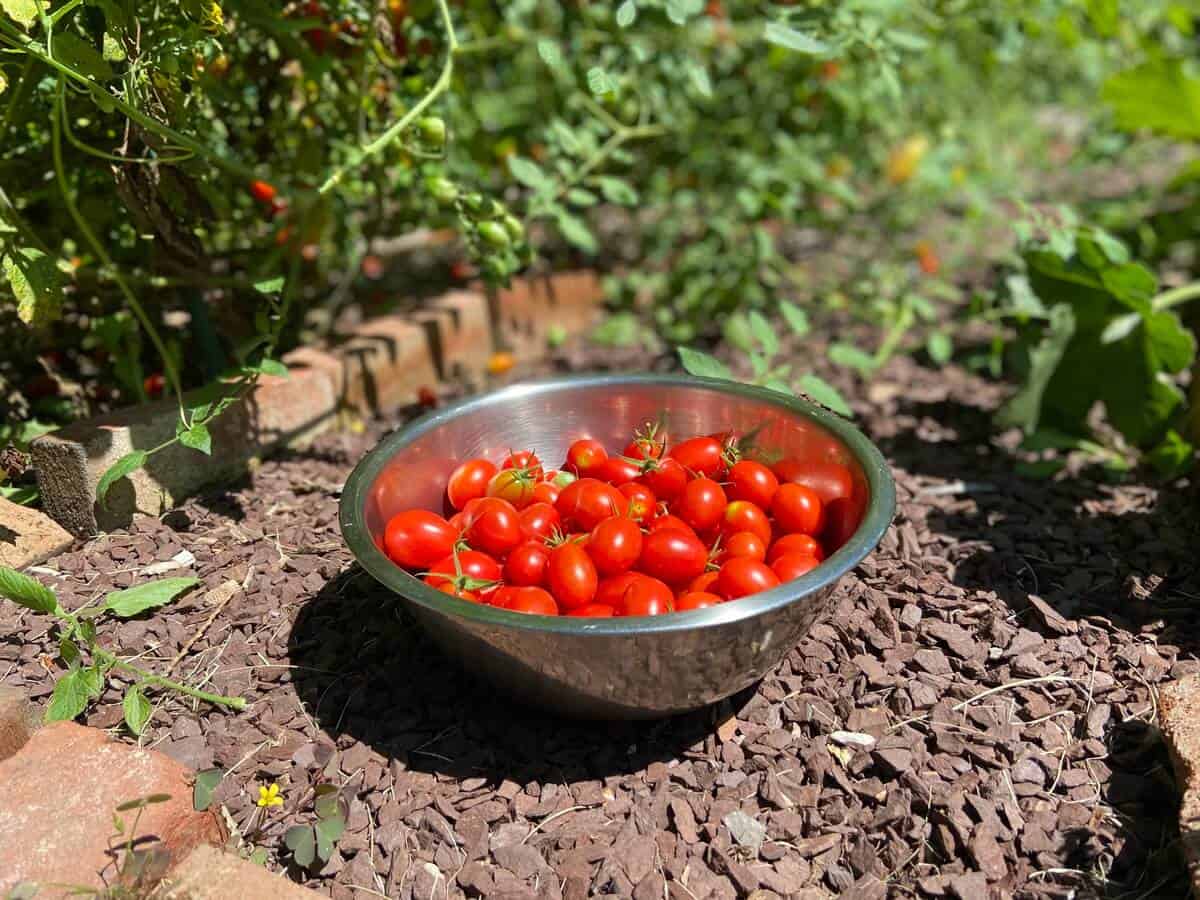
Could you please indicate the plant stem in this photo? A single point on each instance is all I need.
(116, 663)
(1176, 296)
(397, 128)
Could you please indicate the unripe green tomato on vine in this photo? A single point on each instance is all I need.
(516, 231)
(494, 234)
(443, 190)
(433, 131)
(473, 202)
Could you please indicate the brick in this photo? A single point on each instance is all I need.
(576, 300)
(467, 339)
(1179, 720)
(290, 410)
(18, 721)
(28, 536)
(387, 361)
(523, 313)
(311, 358)
(58, 795)
(212, 874)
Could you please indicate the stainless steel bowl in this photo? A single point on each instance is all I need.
(620, 668)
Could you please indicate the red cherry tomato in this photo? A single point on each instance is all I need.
(262, 191)
(793, 565)
(699, 455)
(514, 485)
(704, 583)
(742, 515)
(526, 564)
(530, 600)
(741, 577)
(417, 538)
(842, 517)
(585, 456)
(672, 555)
(752, 481)
(610, 590)
(468, 481)
(546, 492)
(538, 521)
(797, 508)
(494, 527)
(153, 385)
(804, 544)
(641, 501)
(647, 443)
(696, 600)
(668, 522)
(588, 502)
(458, 522)
(646, 596)
(471, 563)
(828, 479)
(615, 545)
(594, 611)
(454, 590)
(743, 543)
(618, 470)
(665, 477)
(571, 576)
(523, 459)
(702, 504)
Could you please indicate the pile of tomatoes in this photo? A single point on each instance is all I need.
(654, 529)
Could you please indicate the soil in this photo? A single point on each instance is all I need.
(976, 718)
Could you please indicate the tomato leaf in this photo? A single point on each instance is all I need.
(626, 13)
(616, 191)
(1024, 408)
(764, 333)
(71, 694)
(702, 365)
(852, 357)
(527, 172)
(81, 56)
(796, 318)
(36, 283)
(135, 600)
(197, 437)
(206, 785)
(825, 393)
(784, 36)
(1160, 95)
(128, 463)
(27, 592)
(24, 12)
(136, 708)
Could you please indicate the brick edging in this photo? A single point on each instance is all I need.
(1179, 720)
(381, 366)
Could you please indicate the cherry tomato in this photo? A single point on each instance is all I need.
(523, 459)
(704, 583)
(742, 515)
(793, 565)
(648, 442)
(471, 563)
(797, 509)
(743, 543)
(558, 478)
(546, 492)
(458, 522)
(615, 545)
(594, 611)
(696, 600)
(618, 470)
(702, 504)
(514, 485)
(665, 477)
(526, 564)
(153, 385)
(609, 591)
(494, 527)
(531, 600)
(454, 590)
(262, 191)
(828, 480)
(699, 455)
(804, 544)
(668, 522)
(672, 555)
(417, 538)
(741, 577)
(588, 502)
(538, 521)
(842, 517)
(646, 596)
(752, 481)
(571, 576)
(468, 481)
(585, 456)
(641, 501)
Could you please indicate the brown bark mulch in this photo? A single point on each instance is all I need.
(977, 717)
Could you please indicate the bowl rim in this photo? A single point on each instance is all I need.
(878, 516)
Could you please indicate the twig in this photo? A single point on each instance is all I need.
(203, 628)
(546, 821)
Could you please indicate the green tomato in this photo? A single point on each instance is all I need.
(516, 231)
(433, 131)
(494, 234)
(474, 202)
(443, 190)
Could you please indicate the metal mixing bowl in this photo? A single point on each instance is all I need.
(618, 668)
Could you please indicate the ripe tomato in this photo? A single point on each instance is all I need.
(585, 456)
(514, 485)
(828, 479)
(673, 555)
(594, 611)
(797, 509)
(649, 442)
(696, 600)
(743, 543)
(646, 596)
(793, 565)
(571, 576)
(152, 384)
(531, 600)
(741, 577)
(471, 564)
(804, 544)
(668, 522)
(458, 522)
(538, 521)
(526, 564)
(615, 545)
(841, 519)
(468, 481)
(609, 591)
(588, 502)
(417, 538)
(546, 492)
(494, 527)
(704, 583)
(641, 500)
(699, 455)
(618, 470)
(752, 481)
(742, 515)
(665, 477)
(523, 459)
(702, 504)
(262, 191)
(455, 590)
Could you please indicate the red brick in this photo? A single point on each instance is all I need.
(311, 358)
(57, 799)
(1179, 720)
(467, 337)
(291, 410)
(576, 300)
(18, 721)
(387, 361)
(211, 874)
(28, 536)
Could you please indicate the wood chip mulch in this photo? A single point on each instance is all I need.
(975, 719)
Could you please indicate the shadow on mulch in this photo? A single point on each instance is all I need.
(366, 670)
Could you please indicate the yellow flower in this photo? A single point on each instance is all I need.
(270, 796)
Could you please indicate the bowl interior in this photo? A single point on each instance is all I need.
(548, 417)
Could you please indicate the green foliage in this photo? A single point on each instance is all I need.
(310, 844)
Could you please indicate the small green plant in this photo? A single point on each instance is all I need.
(88, 664)
(312, 843)
(755, 337)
